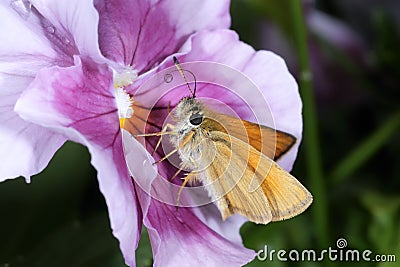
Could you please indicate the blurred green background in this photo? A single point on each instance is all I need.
(348, 159)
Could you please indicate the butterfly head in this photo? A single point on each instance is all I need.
(190, 111)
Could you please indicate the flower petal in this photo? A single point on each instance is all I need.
(22, 35)
(23, 50)
(25, 148)
(78, 101)
(229, 229)
(142, 33)
(71, 25)
(179, 236)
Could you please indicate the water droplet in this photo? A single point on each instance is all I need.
(66, 40)
(22, 7)
(50, 29)
(168, 77)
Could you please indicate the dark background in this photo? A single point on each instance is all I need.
(61, 219)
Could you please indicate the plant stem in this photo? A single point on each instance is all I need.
(311, 138)
(366, 149)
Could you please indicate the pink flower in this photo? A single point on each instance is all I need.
(59, 64)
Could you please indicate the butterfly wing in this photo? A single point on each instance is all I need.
(286, 195)
(272, 143)
(256, 187)
(228, 183)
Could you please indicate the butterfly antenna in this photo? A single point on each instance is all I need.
(178, 66)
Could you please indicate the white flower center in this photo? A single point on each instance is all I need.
(124, 103)
(123, 99)
(126, 77)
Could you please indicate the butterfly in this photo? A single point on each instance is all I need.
(235, 158)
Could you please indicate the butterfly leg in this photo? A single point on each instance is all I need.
(196, 167)
(176, 149)
(166, 127)
(164, 131)
(169, 112)
(175, 175)
(185, 181)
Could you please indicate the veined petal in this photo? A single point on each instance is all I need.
(117, 187)
(143, 33)
(25, 148)
(23, 51)
(30, 42)
(179, 237)
(78, 101)
(22, 35)
(229, 229)
(72, 26)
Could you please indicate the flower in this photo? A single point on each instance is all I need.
(60, 62)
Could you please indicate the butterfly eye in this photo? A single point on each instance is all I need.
(196, 119)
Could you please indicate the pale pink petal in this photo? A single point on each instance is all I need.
(71, 25)
(229, 229)
(24, 49)
(78, 101)
(25, 148)
(180, 237)
(31, 42)
(23, 36)
(142, 33)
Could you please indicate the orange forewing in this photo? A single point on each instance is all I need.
(272, 143)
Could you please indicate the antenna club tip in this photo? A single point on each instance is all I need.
(175, 60)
